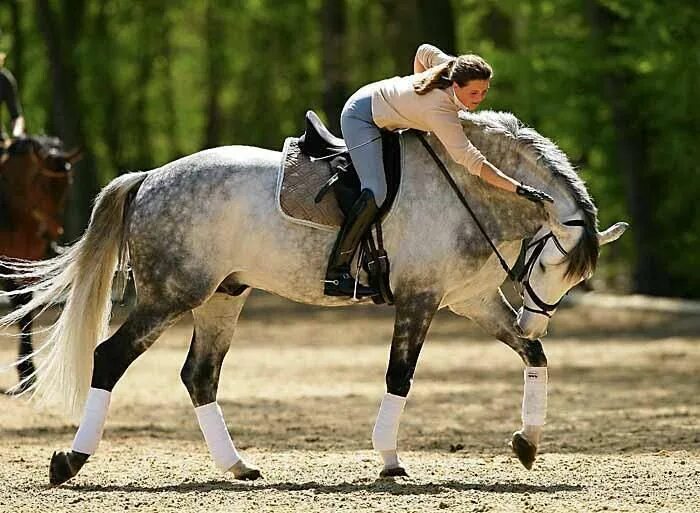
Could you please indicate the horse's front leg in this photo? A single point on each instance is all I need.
(413, 317)
(495, 315)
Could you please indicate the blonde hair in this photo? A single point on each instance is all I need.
(458, 70)
(3, 55)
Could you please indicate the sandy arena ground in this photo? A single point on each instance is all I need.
(300, 390)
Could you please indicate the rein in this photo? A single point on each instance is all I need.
(461, 197)
(524, 276)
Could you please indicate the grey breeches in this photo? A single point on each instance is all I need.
(358, 129)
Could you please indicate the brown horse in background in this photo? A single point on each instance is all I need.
(35, 173)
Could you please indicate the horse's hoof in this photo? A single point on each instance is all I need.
(64, 465)
(244, 472)
(393, 472)
(523, 449)
(249, 475)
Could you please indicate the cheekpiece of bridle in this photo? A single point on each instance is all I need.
(52, 161)
(523, 277)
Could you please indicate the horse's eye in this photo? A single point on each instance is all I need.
(542, 267)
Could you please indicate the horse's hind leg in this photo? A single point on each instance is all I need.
(496, 316)
(214, 325)
(111, 359)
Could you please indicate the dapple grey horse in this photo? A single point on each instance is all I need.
(204, 230)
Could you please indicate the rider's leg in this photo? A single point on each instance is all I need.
(364, 140)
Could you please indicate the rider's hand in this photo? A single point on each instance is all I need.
(533, 194)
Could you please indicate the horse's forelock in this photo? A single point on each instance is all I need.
(583, 258)
(45, 143)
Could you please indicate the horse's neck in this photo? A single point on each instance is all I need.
(522, 165)
(538, 176)
(503, 215)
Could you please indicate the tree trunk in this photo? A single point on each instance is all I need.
(17, 56)
(335, 88)
(65, 116)
(214, 35)
(631, 157)
(169, 93)
(438, 24)
(498, 27)
(410, 23)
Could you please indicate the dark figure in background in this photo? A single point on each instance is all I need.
(9, 97)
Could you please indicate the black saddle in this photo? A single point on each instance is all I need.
(318, 142)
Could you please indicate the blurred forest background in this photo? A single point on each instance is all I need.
(613, 82)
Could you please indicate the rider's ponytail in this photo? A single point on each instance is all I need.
(436, 77)
(460, 70)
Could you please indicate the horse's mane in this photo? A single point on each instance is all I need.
(582, 259)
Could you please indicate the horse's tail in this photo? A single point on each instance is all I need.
(82, 276)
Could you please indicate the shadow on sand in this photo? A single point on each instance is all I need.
(380, 485)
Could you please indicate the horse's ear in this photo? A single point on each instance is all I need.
(613, 233)
(74, 155)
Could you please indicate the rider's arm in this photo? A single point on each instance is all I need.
(18, 127)
(9, 86)
(494, 176)
(428, 56)
(448, 128)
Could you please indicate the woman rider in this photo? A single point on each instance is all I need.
(8, 96)
(429, 100)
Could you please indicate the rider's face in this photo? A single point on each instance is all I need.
(472, 93)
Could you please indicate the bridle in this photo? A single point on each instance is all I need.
(523, 277)
(40, 158)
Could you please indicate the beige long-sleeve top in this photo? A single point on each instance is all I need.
(395, 105)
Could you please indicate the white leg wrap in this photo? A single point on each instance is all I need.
(535, 396)
(93, 422)
(211, 422)
(386, 428)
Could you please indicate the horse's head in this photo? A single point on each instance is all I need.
(560, 256)
(38, 172)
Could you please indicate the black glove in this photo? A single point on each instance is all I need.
(533, 194)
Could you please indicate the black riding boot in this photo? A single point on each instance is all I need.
(339, 281)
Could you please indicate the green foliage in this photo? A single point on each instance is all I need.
(162, 78)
